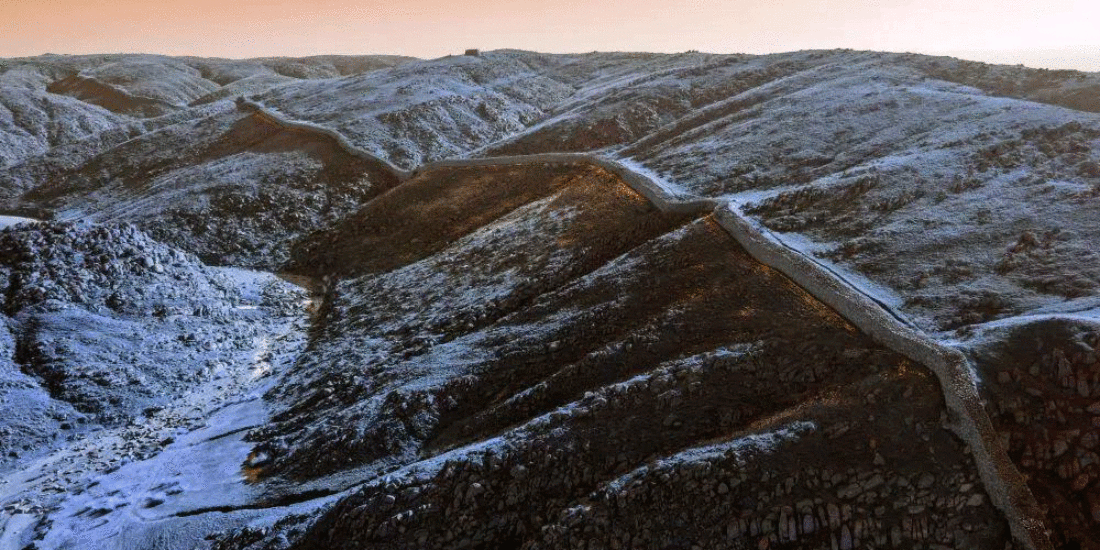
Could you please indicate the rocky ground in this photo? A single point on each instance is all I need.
(531, 354)
(60, 100)
(114, 345)
(230, 187)
(1043, 379)
(928, 176)
(582, 371)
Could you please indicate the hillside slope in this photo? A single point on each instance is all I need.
(962, 190)
(526, 352)
(229, 187)
(543, 374)
(54, 100)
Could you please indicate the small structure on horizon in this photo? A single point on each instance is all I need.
(473, 52)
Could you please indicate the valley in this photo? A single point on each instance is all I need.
(825, 299)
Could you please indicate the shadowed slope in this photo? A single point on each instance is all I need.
(1042, 383)
(234, 190)
(560, 370)
(90, 90)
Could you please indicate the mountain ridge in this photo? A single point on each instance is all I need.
(490, 325)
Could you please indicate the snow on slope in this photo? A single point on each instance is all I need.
(925, 187)
(636, 95)
(112, 346)
(966, 191)
(102, 323)
(52, 100)
(32, 120)
(251, 76)
(226, 186)
(425, 110)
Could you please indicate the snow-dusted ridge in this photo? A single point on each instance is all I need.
(871, 314)
(771, 153)
(667, 197)
(1006, 485)
(271, 115)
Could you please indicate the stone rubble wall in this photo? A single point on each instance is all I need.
(1003, 481)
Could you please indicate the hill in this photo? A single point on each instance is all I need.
(819, 299)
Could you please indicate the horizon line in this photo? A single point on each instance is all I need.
(1040, 58)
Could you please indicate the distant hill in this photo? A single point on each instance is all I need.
(1080, 58)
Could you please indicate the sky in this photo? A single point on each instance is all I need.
(1066, 30)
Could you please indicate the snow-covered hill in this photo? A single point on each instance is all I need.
(54, 100)
(529, 353)
(229, 186)
(426, 110)
(33, 120)
(929, 155)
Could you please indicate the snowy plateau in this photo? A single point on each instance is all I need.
(813, 300)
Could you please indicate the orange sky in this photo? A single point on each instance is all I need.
(432, 28)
